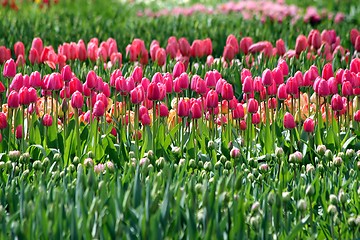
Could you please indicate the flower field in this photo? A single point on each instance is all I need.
(143, 120)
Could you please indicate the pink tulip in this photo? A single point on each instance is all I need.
(289, 121)
(9, 69)
(47, 120)
(309, 125)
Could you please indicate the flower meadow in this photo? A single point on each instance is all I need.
(230, 121)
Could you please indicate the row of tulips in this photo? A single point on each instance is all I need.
(180, 99)
(325, 44)
(275, 11)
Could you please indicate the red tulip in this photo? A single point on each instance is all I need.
(229, 53)
(357, 44)
(18, 132)
(355, 65)
(164, 111)
(13, 99)
(232, 41)
(34, 57)
(19, 49)
(9, 69)
(280, 47)
(184, 47)
(82, 54)
(184, 81)
(137, 95)
(238, 112)
(245, 44)
(267, 78)
(357, 116)
(227, 92)
(327, 71)
(207, 45)
(3, 121)
(99, 108)
(316, 40)
(219, 85)
(255, 118)
(66, 73)
(284, 66)
(292, 87)
(137, 74)
(212, 99)
(289, 121)
(323, 88)
(103, 98)
(47, 120)
(253, 105)
(337, 103)
(160, 57)
(210, 79)
(354, 33)
(37, 44)
(301, 44)
(77, 100)
(242, 125)
(153, 91)
(195, 110)
(17, 82)
(347, 89)
(183, 108)
(91, 80)
(197, 49)
(145, 119)
(248, 85)
(309, 125)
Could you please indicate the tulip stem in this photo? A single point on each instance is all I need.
(78, 146)
(136, 127)
(23, 129)
(10, 126)
(154, 126)
(229, 122)
(90, 101)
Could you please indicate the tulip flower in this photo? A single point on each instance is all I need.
(267, 78)
(357, 116)
(183, 108)
(337, 103)
(3, 121)
(212, 99)
(13, 99)
(289, 121)
(309, 125)
(227, 92)
(9, 70)
(19, 132)
(245, 44)
(252, 105)
(99, 108)
(153, 92)
(47, 120)
(77, 100)
(195, 110)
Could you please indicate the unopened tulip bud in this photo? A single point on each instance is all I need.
(321, 150)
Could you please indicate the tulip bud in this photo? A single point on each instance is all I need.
(9, 70)
(309, 125)
(47, 120)
(99, 108)
(289, 121)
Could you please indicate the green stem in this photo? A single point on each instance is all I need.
(136, 127)
(10, 127)
(154, 126)
(23, 130)
(77, 129)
